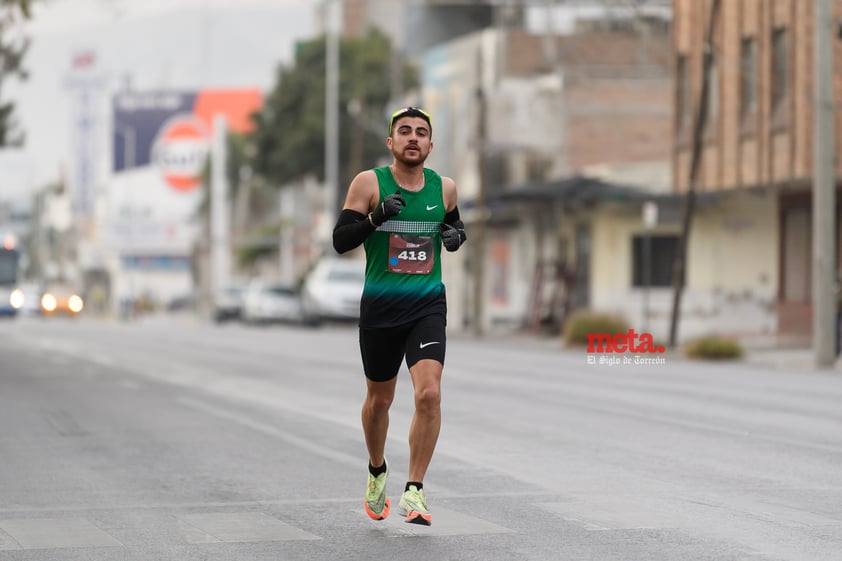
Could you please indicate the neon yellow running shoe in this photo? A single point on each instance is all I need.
(414, 507)
(376, 502)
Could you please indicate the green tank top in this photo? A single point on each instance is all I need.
(403, 256)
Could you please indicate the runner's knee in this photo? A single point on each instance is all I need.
(379, 403)
(428, 396)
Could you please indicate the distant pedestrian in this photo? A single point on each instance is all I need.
(402, 213)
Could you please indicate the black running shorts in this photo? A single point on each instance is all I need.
(383, 349)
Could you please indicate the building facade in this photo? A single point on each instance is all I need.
(759, 131)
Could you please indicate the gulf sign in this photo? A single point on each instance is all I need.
(180, 150)
(171, 130)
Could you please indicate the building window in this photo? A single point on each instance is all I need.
(682, 94)
(780, 73)
(748, 81)
(662, 252)
(498, 171)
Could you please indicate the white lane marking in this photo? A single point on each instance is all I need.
(289, 438)
(57, 533)
(238, 527)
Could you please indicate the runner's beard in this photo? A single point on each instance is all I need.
(411, 163)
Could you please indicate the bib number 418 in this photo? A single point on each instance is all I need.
(410, 255)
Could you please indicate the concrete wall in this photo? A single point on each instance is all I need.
(731, 275)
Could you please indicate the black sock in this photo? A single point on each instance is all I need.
(375, 471)
(418, 485)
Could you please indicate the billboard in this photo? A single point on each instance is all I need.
(172, 128)
(86, 86)
(161, 141)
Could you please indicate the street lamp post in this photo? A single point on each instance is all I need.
(220, 249)
(129, 136)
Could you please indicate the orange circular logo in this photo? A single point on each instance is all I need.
(180, 151)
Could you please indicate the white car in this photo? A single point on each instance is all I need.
(228, 304)
(333, 289)
(267, 301)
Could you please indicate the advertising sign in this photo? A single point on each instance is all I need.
(144, 121)
(161, 142)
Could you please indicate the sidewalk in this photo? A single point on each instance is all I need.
(765, 351)
(793, 352)
(782, 358)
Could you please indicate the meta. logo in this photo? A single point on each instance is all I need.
(623, 342)
(180, 151)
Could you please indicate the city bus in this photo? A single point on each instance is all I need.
(11, 296)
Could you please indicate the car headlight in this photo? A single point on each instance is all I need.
(16, 298)
(75, 303)
(48, 302)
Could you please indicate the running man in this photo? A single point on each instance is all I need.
(402, 214)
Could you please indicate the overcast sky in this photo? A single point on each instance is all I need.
(154, 44)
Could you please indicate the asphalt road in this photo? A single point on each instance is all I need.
(173, 440)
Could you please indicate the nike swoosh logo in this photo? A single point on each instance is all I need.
(422, 345)
(432, 207)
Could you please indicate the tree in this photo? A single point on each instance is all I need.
(13, 47)
(289, 137)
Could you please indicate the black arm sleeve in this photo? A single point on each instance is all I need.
(352, 228)
(453, 219)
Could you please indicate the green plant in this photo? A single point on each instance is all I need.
(584, 322)
(713, 347)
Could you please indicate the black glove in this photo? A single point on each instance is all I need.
(452, 238)
(388, 207)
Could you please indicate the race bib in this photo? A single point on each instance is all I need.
(412, 255)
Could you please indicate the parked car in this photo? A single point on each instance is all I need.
(266, 301)
(228, 304)
(333, 289)
(61, 299)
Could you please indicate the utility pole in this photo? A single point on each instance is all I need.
(824, 186)
(679, 267)
(478, 233)
(650, 220)
(219, 226)
(331, 193)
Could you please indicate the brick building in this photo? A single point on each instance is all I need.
(618, 96)
(759, 133)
